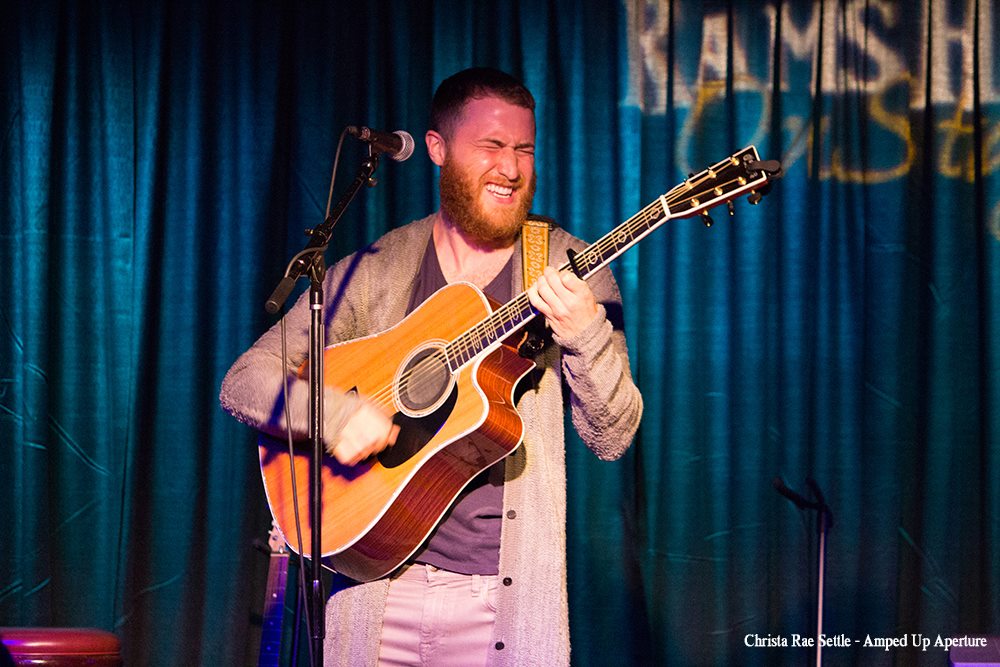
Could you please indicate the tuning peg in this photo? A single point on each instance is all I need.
(707, 219)
(732, 209)
(754, 197)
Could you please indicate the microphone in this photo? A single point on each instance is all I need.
(398, 145)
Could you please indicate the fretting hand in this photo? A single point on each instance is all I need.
(567, 302)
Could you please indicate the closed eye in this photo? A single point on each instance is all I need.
(496, 144)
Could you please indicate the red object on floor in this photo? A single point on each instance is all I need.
(61, 647)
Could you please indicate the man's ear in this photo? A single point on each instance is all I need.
(436, 147)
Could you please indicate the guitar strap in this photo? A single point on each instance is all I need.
(534, 258)
(534, 248)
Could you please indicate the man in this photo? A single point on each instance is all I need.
(489, 585)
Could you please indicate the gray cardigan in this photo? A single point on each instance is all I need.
(368, 292)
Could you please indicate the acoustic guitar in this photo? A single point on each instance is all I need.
(447, 373)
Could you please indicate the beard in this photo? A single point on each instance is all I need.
(460, 203)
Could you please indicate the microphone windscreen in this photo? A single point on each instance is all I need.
(406, 151)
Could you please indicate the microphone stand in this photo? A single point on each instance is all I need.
(310, 261)
(824, 522)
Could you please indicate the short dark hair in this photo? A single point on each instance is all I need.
(454, 92)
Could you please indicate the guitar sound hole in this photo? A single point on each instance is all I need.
(424, 381)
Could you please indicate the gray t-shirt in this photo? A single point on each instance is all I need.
(468, 538)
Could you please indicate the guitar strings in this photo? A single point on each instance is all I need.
(472, 342)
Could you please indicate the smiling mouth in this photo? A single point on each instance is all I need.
(500, 191)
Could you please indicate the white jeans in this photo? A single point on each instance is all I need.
(440, 618)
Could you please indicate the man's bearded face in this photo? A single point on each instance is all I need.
(461, 201)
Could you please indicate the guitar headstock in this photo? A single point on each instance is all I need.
(741, 173)
(275, 540)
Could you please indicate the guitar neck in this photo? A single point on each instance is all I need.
(516, 313)
(272, 625)
(740, 173)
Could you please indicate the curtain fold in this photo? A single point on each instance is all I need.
(160, 161)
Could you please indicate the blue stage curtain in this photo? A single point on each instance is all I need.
(160, 161)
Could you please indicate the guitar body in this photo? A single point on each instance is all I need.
(454, 426)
